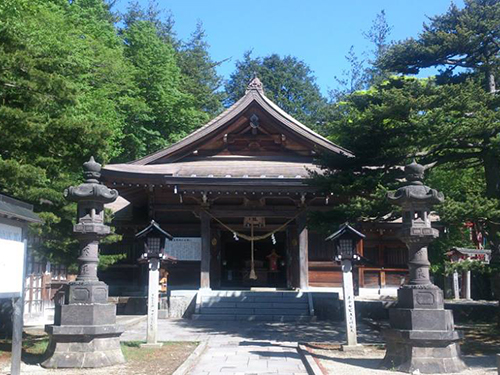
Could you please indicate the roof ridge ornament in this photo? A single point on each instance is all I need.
(255, 84)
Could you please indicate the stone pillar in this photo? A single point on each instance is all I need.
(205, 251)
(303, 251)
(422, 335)
(84, 333)
(456, 288)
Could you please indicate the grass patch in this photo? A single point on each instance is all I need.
(134, 353)
(164, 360)
(480, 338)
(33, 348)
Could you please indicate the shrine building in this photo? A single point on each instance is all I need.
(235, 195)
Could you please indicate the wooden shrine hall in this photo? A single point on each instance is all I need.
(235, 196)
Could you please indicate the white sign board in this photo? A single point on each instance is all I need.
(11, 268)
(10, 232)
(184, 248)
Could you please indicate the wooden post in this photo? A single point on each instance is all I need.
(205, 251)
(349, 309)
(303, 251)
(467, 284)
(154, 277)
(382, 279)
(18, 322)
(456, 292)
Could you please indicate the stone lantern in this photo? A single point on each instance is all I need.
(422, 335)
(85, 333)
(346, 240)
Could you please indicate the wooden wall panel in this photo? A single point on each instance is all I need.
(324, 274)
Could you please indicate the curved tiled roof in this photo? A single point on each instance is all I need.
(253, 94)
(224, 167)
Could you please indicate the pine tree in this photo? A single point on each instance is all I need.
(200, 75)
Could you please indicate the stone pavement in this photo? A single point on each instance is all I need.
(247, 348)
(250, 357)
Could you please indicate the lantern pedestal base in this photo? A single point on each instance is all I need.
(422, 335)
(430, 352)
(85, 314)
(80, 346)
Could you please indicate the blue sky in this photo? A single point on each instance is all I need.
(319, 32)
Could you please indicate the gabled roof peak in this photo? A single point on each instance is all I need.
(255, 84)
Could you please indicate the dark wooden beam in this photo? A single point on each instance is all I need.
(240, 211)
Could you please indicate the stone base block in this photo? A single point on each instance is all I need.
(85, 314)
(421, 319)
(83, 346)
(87, 292)
(417, 298)
(430, 352)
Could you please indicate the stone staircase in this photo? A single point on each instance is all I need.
(279, 306)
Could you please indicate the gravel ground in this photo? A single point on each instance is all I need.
(336, 362)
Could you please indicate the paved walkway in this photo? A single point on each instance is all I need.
(250, 357)
(247, 348)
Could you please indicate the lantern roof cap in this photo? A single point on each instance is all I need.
(344, 228)
(414, 191)
(154, 227)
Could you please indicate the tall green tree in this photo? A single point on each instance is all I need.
(62, 69)
(450, 122)
(200, 75)
(160, 110)
(465, 44)
(362, 71)
(287, 81)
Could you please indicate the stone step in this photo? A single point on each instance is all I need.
(255, 305)
(250, 311)
(245, 293)
(253, 299)
(254, 317)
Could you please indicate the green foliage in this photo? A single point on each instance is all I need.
(159, 110)
(461, 38)
(465, 44)
(72, 85)
(287, 81)
(200, 76)
(467, 265)
(450, 122)
(362, 72)
(61, 72)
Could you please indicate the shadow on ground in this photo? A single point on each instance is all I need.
(291, 331)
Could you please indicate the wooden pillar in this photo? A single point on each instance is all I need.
(292, 257)
(303, 251)
(467, 284)
(205, 251)
(215, 259)
(361, 273)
